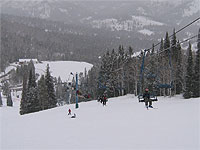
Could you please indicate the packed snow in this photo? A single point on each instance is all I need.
(128, 25)
(57, 68)
(63, 68)
(123, 124)
(146, 32)
(142, 21)
(193, 8)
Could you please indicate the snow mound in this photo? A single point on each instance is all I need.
(63, 68)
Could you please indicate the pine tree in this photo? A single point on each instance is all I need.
(152, 70)
(113, 77)
(161, 65)
(1, 102)
(167, 64)
(161, 45)
(196, 92)
(174, 51)
(121, 54)
(122, 57)
(130, 51)
(31, 66)
(103, 75)
(59, 91)
(167, 44)
(32, 94)
(130, 71)
(23, 103)
(179, 70)
(9, 99)
(189, 74)
(42, 93)
(174, 58)
(50, 87)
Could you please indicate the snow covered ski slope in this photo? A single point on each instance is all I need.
(124, 124)
(60, 69)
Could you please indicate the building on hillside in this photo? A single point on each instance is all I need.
(26, 61)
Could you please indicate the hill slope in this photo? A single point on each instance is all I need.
(122, 124)
(60, 69)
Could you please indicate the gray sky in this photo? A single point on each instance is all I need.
(97, 0)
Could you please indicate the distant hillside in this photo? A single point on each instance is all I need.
(60, 69)
(83, 30)
(24, 37)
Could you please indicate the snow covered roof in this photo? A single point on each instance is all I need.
(27, 60)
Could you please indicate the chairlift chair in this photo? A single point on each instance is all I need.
(152, 97)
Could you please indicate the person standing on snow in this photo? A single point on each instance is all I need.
(147, 100)
(69, 112)
(104, 100)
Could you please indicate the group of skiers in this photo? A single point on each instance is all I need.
(148, 102)
(103, 99)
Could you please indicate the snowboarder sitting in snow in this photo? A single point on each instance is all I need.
(74, 116)
(69, 112)
(147, 99)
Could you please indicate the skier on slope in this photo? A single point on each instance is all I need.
(69, 112)
(147, 100)
(104, 99)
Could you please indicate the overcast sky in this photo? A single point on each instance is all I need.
(96, 0)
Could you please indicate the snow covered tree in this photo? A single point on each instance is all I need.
(121, 54)
(113, 77)
(9, 99)
(122, 58)
(32, 94)
(23, 103)
(167, 44)
(103, 75)
(174, 51)
(189, 74)
(50, 87)
(130, 69)
(93, 81)
(152, 70)
(167, 65)
(59, 91)
(196, 92)
(42, 93)
(130, 51)
(31, 66)
(174, 59)
(161, 45)
(179, 70)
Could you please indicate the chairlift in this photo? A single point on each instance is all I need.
(145, 73)
(162, 86)
(152, 98)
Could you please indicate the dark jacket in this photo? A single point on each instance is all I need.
(146, 95)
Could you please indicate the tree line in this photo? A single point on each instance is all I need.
(168, 70)
(39, 95)
(49, 92)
